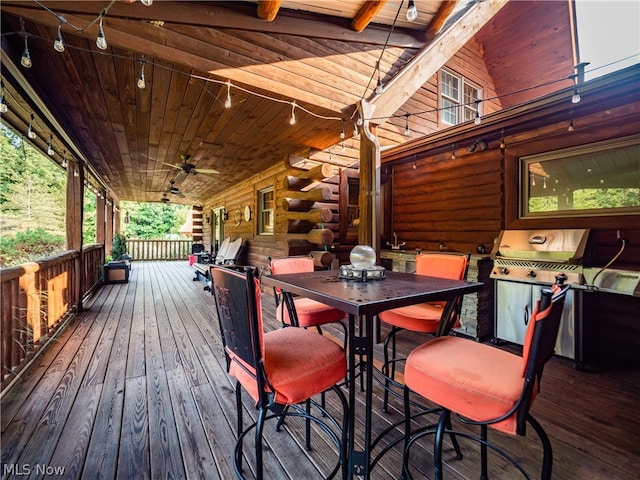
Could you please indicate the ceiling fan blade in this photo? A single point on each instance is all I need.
(180, 176)
(157, 170)
(177, 167)
(206, 171)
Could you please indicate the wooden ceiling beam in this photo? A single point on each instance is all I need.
(175, 48)
(367, 12)
(268, 9)
(229, 15)
(431, 59)
(440, 18)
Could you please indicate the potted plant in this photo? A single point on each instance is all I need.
(117, 270)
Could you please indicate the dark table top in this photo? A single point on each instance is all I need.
(374, 296)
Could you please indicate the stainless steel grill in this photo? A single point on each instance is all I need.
(525, 261)
(538, 256)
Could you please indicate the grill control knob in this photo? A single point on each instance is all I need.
(504, 271)
(531, 274)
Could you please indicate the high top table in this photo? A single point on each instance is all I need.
(365, 300)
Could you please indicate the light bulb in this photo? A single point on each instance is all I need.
(3, 104)
(101, 41)
(342, 134)
(64, 159)
(58, 45)
(407, 130)
(227, 102)
(571, 128)
(30, 132)
(575, 98)
(141, 83)
(379, 87)
(75, 172)
(477, 120)
(292, 120)
(412, 11)
(147, 3)
(25, 61)
(50, 150)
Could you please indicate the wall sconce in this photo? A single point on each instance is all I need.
(207, 219)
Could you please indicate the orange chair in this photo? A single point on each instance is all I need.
(484, 385)
(279, 369)
(309, 313)
(434, 317)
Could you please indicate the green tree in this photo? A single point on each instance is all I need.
(153, 220)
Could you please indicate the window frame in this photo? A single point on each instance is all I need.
(265, 228)
(461, 109)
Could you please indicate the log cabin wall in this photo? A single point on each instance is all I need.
(467, 200)
(290, 233)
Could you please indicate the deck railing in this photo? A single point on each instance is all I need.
(159, 249)
(37, 300)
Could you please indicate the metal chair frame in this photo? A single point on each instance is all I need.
(239, 326)
(541, 351)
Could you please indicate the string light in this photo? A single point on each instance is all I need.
(101, 41)
(571, 127)
(3, 104)
(64, 159)
(407, 130)
(50, 150)
(453, 151)
(477, 120)
(575, 98)
(147, 3)
(30, 131)
(227, 102)
(58, 45)
(75, 172)
(141, 83)
(25, 60)
(292, 120)
(380, 85)
(502, 144)
(412, 11)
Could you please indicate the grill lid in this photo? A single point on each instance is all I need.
(558, 246)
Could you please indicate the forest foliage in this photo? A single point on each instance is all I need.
(33, 207)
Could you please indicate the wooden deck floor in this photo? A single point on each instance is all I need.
(136, 388)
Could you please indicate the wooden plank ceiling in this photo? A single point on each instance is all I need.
(324, 56)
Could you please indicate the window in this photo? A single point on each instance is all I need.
(596, 179)
(458, 99)
(266, 211)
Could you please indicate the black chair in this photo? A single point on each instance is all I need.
(279, 369)
(484, 385)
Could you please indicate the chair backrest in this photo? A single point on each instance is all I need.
(236, 292)
(450, 266)
(539, 345)
(233, 251)
(222, 251)
(442, 265)
(290, 265)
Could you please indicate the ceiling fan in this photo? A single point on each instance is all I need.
(171, 190)
(187, 168)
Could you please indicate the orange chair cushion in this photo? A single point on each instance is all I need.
(476, 380)
(426, 316)
(423, 317)
(298, 364)
(310, 313)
